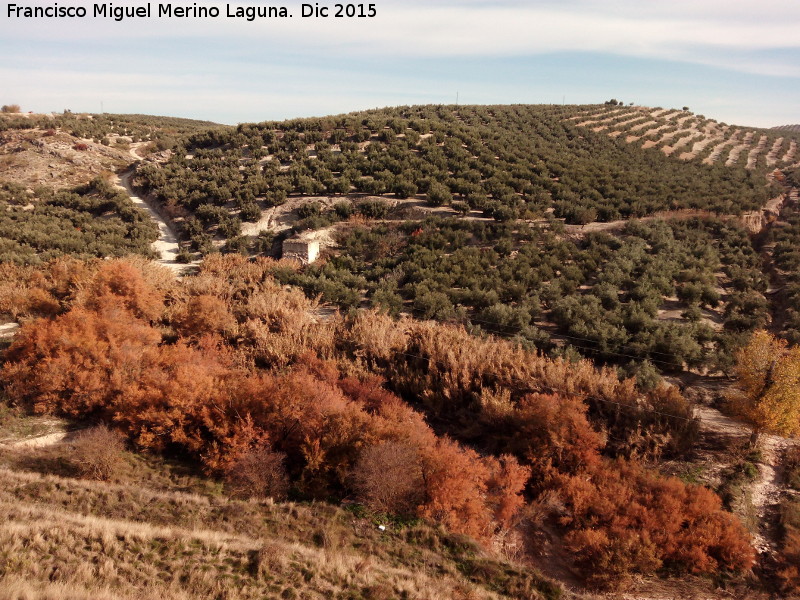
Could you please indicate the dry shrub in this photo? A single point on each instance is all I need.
(79, 350)
(328, 536)
(279, 324)
(464, 591)
(379, 591)
(496, 405)
(19, 300)
(258, 473)
(376, 336)
(456, 485)
(507, 479)
(553, 435)
(388, 478)
(195, 398)
(450, 370)
(203, 315)
(97, 453)
(624, 520)
(10, 108)
(364, 565)
(121, 282)
(334, 435)
(268, 559)
(29, 292)
(65, 282)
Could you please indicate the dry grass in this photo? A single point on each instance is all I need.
(64, 538)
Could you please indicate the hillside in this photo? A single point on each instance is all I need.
(521, 200)
(55, 176)
(792, 128)
(518, 369)
(228, 366)
(502, 162)
(157, 531)
(92, 220)
(62, 151)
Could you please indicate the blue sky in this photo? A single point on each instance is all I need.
(739, 64)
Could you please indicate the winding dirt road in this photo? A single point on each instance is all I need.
(167, 243)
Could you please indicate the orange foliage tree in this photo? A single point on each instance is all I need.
(624, 520)
(767, 391)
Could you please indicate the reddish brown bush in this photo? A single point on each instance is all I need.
(624, 520)
(507, 479)
(258, 473)
(552, 434)
(78, 363)
(80, 147)
(121, 283)
(107, 361)
(39, 302)
(388, 478)
(97, 453)
(105, 357)
(456, 482)
(204, 314)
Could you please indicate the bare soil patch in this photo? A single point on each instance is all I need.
(8, 330)
(36, 157)
(722, 437)
(33, 432)
(736, 151)
(596, 118)
(752, 157)
(791, 153)
(683, 141)
(772, 155)
(701, 145)
(717, 151)
(641, 126)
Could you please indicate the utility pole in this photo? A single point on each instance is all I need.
(456, 98)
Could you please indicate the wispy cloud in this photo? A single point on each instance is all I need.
(413, 51)
(703, 32)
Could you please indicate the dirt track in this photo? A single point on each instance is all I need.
(167, 244)
(767, 489)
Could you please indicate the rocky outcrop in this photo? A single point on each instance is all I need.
(755, 221)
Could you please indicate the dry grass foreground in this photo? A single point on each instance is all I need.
(70, 539)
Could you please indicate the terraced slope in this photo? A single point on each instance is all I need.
(692, 137)
(792, 128)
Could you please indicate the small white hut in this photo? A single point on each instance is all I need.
(301, 249)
